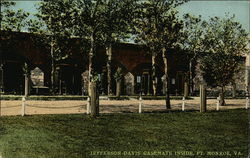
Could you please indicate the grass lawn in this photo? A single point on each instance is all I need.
(173, 134)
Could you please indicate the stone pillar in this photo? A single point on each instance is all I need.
(163, 78)
(118, 88)
(185, 89)
(148, 92)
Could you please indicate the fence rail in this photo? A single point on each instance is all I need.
(112, 106)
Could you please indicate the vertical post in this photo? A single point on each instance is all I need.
(203, 99)
(118, 87)
(94, 105)
(88, 103)
(165, 60)
(109, 60)
(190, 77)
(247, 102)
(140, 104)
(218, 103)
(234, 90)
(185, 89)
(23, 106)
(148, 84)
(183, 104)
(247, 74)
(26, 85)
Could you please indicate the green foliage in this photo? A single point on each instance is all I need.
(225, 41)
(116, 19)
(26, 69)
(51, 30)
(193, 35)
(225, 36)
(95, 22)
(157, 24)
(219, 70)
(118, 74)
(12, 20)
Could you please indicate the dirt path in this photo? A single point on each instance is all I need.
(106, 106)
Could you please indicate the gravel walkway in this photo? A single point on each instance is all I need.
(110, 106)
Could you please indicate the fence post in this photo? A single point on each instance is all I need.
(183, 104)
(247, 102)
(218, 103)
(23, 106)
(140, 104)
(88, 103)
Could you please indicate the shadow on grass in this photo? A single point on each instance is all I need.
(162, 111)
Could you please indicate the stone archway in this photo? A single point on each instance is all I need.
(129, 82)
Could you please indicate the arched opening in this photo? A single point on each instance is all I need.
(12, 72)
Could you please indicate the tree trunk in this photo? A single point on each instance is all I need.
(222, 97)
(234, 90)
(109, 54)
(52, 69)
(203, 98)
(168, 106)
(190, 78)
(26, 85)
(118, 88)
(154, 74)
(91, 53)
(92, 87)
(94, 99)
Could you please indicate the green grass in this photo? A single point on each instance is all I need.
(75, 136)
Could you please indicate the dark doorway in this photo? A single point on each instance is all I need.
(13, 79)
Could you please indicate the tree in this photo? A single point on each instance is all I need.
(192, 41)
(94, 22)
(97, 23)
(11, 21)
(225, 41)
(51, 30)
(159, 28)
(116, 20)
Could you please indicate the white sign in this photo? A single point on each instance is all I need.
(138, 79)
(173, 81)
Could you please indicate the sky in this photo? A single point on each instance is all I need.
(196, 7)
(218, 8)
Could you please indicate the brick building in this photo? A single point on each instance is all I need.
(71, 73)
